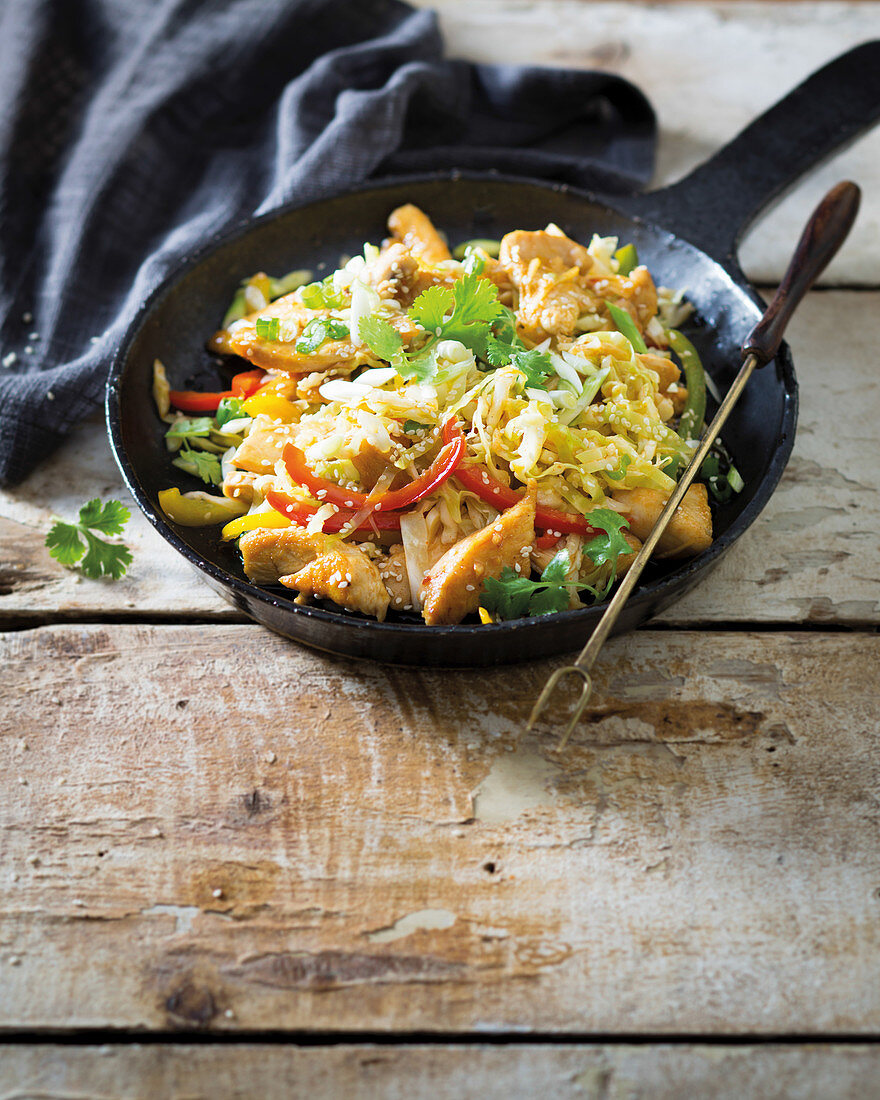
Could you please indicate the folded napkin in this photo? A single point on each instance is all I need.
(132, 131)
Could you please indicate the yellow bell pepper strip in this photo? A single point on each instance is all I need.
(251, 522)
(271, 405)
(198, 509)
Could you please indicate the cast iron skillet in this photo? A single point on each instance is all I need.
(687, 234)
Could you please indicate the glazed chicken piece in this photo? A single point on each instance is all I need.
(314, 565)
(549, 271)
(451, 589)
(392, 570)
(344, 574)
(281, 355)
(241, 339)
(399, 274)
(415, 231)
(262, 446)
(690, 529)
(272, 553)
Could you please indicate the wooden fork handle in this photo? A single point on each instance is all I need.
(823, 235)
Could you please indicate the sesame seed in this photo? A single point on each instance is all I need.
(217, 892)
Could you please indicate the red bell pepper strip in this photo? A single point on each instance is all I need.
(326, 491)
(242, 386)
(480, 482)
(301, 513)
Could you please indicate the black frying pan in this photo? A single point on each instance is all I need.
(687, 234)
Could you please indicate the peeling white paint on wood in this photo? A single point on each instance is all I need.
(700, 859)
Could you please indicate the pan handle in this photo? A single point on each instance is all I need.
(714, 205)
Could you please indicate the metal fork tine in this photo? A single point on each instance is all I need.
(547, 691)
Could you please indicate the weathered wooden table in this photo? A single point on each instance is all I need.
(232, 866)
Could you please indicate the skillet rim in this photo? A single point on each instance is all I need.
(659, 592)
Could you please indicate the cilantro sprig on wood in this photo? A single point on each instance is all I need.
(81, 545)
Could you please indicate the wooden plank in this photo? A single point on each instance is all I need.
(708, 69)
(813, 556)
(219, 829)
(589, 1072)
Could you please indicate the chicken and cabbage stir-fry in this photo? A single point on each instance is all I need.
(487, 434)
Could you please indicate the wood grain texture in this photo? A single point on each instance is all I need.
(708, 69)
(519, 1071)
(813, 556)
(216, 829)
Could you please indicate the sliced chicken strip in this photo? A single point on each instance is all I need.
(690, 529)
(416, 232)
(549, 271)
(451, 589)
(392, 570)
(272, 553)
(346, 575)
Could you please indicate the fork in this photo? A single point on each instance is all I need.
(822, 236)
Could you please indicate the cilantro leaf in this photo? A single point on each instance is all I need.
(70, 543)
(507, 596)
(201, 464)
(380, 338)
(108, 558)
(609, 546)
(620, 473)
(552, 599)
(318, 331)
(504, 327)
(268, 328)
(65, 544)
(230, 408)
(535, 365)
(431, 307)
(513, 596)
(475, 303)
(410, 426)
(107, 518)
(181, 430)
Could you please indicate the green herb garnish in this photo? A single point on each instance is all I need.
(318, 331)
(322, 295)
(230, 408)
(72, 543)
(268, 328)
(200, 464)
(620, 473)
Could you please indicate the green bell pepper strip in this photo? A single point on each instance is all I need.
(625, 324)
(694, 413)
(627, 258)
